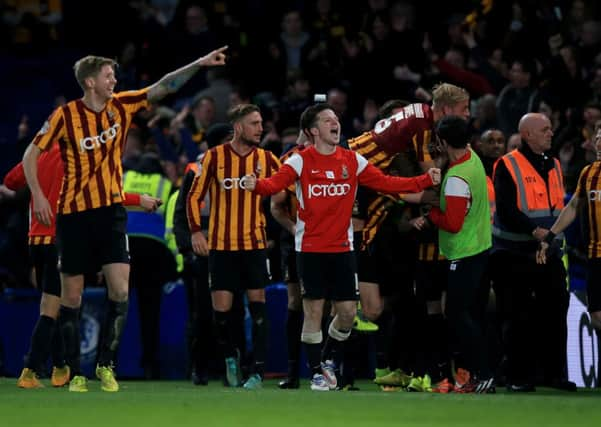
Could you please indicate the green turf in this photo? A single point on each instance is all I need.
(173, 403)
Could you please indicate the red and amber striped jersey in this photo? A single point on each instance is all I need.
(91, 145)
(236, 218)
(589, 189)
(409, 130)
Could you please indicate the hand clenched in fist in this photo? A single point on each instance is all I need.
(434, 175)
(248, 182)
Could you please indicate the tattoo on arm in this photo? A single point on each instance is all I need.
(172, 82)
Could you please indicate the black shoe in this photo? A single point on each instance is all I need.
(289, 383)
(200, 378)
(520, 388)
(564, 385)
(486, 386)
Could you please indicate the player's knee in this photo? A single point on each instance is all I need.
(346, 317)
(312, 313)
(71, 299)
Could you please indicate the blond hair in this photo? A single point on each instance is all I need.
(448, 95)
(90, 66)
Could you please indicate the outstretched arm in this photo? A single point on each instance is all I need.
(283, 179)
(372, 177)
(173, 81)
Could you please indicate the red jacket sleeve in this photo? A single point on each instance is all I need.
(131, 199)
(374, 178)
(282, 179)
(15, 178)
(453, 217)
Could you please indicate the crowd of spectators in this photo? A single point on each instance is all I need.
(512, 57)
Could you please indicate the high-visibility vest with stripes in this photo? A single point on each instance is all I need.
(146, 224)
(169, 234)
(540, 203)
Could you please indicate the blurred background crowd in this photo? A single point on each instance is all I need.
(512, 57)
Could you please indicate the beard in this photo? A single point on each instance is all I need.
(249, 142)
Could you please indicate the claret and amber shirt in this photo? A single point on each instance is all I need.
(91, 145)
(236, 218)
(589, 189)
(409, 130)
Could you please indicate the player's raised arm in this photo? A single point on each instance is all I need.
(283, 178)
(173, 81)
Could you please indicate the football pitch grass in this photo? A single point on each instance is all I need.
(178, 403)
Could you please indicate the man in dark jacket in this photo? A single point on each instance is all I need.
(529, 195)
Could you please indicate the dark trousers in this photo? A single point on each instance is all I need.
(534, 300)
(152, 265)
(200, 312)
(467, 297)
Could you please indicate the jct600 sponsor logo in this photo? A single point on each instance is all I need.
(328, 190)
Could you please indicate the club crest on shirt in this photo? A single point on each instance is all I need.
(258, 169)
(344, 172)
(45, 128)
